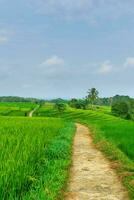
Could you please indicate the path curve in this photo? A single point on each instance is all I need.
(32, 111)
(91, 177)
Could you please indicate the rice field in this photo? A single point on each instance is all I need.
(117, 131)
(16, 108)
(36, 152)
(35, 157)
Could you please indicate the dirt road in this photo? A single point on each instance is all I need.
(91, 177)
(32, 111)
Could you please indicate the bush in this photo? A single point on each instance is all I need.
(61, 107)
(78, 103)
(121, 109)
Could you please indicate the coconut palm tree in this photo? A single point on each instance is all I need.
(92, 95)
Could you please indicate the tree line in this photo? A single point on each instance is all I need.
(19, 99)
(122, 106)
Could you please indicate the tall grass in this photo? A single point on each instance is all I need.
(112, 135)
(115, 130)
(34, 159)
(16, 108)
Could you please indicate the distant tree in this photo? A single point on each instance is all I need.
(17, 99)
(110, 101)
(59, 100)
(78, 103)
(132, 108)
(41, 102)
(92, 95)
(73, 102)
(122, 98)
(60, 107)
(121, 109)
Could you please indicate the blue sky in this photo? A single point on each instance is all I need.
(61, 48)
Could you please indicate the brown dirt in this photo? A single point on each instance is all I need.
(91, 176)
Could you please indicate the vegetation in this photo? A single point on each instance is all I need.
(92, 95)
(60, 107)
(79, 103)
(35, 156)
(16, 108)
(32, 161)
(113, 135)
(58, 100)
(18, 99)
(123, 107)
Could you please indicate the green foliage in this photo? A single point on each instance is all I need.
(58, 100)
(18, 99)
(32, 161)
(79, 103)
(121, 109)
(123, 98)
(16, 108)
(60, 107)
(35, 156)
(116, 130)
(92, 95)
(106, 101)
(124, 107)
(131, 103)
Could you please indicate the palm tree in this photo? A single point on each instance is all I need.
(92, 95)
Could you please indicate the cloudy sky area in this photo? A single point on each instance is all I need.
(60, 48)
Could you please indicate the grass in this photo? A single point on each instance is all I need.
(16, 108)
(115, 130)
(35, 164)
(46, 110)
(35, 157)
(112, 135)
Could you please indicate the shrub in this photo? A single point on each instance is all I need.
(121, 109)
(60, 107)
(78, 103)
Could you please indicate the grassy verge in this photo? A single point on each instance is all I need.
(35, 157)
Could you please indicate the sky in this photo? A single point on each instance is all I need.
(61, 48)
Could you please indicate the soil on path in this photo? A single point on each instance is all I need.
(32, 111)
(91, 176)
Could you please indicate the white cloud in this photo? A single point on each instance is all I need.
(105, 68)
(52, 67)
(129, 62)
(54, 60)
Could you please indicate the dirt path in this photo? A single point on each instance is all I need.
(32, 111)
(91, 177)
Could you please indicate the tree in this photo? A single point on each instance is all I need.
(121, 109)
(132, 108)
(92, 95)
(78, 103)
(73, 102)
(60, 107)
